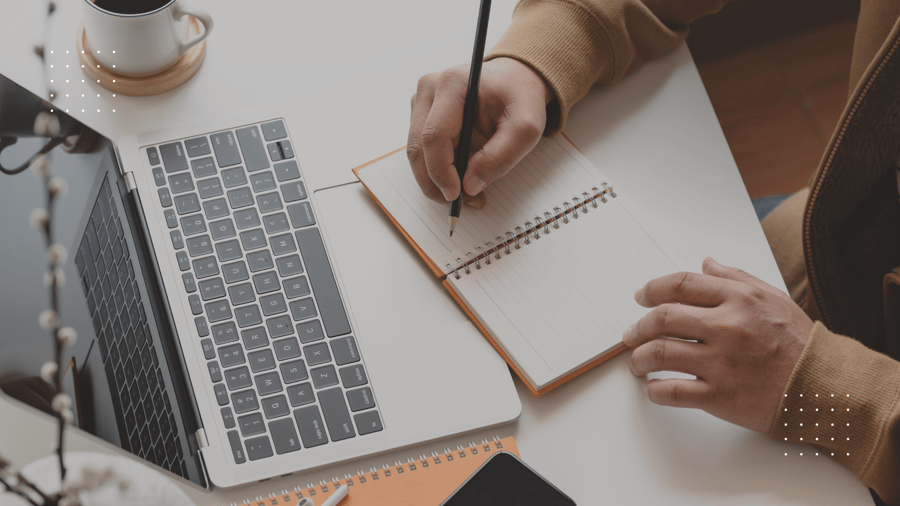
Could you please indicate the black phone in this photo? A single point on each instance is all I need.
(504, 480)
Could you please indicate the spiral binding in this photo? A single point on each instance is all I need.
(532, 230)
(295, 497)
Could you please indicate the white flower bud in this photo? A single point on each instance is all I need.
(67, 415)
(58, 186)
(48, 371)
(57, 254)
(46, 125)
(48, 320)
(39, 218)
(61, 403)
(66, 336)
(58, 276)
(41, 166)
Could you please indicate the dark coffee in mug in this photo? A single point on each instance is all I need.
(130, 7)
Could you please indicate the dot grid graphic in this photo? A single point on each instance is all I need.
(65, 71)
(823, 423)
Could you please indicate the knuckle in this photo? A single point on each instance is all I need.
(531, 128)
(661, 316)
(430, 135)
(682, 284)
(425, 82)
(658, 352)
(414, 152)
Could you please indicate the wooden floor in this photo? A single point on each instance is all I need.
(779, 103)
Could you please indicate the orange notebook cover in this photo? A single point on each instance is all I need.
(437, 272)
(423, 481)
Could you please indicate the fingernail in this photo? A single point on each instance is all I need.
(475, 204)
(447, 195)
(628, 335)
(476, 185)
(639, 295)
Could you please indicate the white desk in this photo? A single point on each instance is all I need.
(598, 438)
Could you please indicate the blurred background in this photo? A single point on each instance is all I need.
(777, 74)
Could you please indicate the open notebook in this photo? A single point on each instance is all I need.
(547, 270)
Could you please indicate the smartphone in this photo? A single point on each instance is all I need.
(504, 480)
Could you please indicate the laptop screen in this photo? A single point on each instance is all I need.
(116, 372)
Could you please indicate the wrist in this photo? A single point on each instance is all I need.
(530, 77)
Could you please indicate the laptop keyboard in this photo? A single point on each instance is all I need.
(136, 382)
(271, 324)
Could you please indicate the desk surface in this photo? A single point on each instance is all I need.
(598, 438)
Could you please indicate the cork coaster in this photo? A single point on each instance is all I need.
(174, 76)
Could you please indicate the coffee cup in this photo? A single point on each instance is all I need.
(139, 38)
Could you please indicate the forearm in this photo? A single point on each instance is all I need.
(574, 44)
(844, 399)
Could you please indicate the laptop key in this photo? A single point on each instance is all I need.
(193, 224)
(253, 149)
(244, 401)
(286, 171)
(205, 267)
(203, 167)
(317, 354)
(312, 430)
(190, 286)
(265, 282)
(211, 289)
(286, 149)
(218, 311)
(274, 130)
(209, 350)
(171, 219)
(254, 338)
(293, 372)
(211, 187)
(353, 376)
(279, 326)
(186, 204)
(263, 181)
(248, 316)
(242, 293)
(251, 425)
(286, 349)
(222, 229)
(237, 451)
(180, 183)
(334, 317)
(215, 373)
(196, 304)
(289, 265)
(294, 191)
(258, 448)
(234, 177)
(275, 223)
(310, 332)
(228, 250)
(303, 309)
(173, 157)
(274, 152)
(262, 360)
(301, 215)
(221, 394)
(324, 376)
(253, 239)
(184, 263)
(198, 146)
(216, 208)
(240, 197)
(246, 218)
(202, 327)
(226, 149)
(360, 399)
(344, 350)
(200, 245)
(300, 394)
(337, 417)
(268, 383)
(224, 333)
(228, 418)
(238, 378)
(368, 422)
(153, 156)
(259, 261)
(273, 304)
(296, 287)
(284, 436)
(236, 271)
(232, 355)
(269, 202)
(165, 198)
(282, 244)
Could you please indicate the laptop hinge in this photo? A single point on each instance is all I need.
(199, 440)
(130, 183)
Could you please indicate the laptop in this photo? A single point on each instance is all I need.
(243, 308)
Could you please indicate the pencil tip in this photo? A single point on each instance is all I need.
(451, 233)
(452, 225)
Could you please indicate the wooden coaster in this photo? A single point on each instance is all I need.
(174, 76)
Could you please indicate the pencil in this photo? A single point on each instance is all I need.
(468, 123)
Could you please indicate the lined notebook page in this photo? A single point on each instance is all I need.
(566, 298)
(552, 173)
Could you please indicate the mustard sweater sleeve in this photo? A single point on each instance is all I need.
(844, 399)
(575, 44)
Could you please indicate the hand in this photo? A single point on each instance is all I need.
(512, 100)
(749, 335)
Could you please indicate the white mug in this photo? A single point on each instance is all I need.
(141, 44)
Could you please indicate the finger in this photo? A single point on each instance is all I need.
(477, 202)
(681, 393)
(441, 127)
(671, 320)
(713, 268)
(685, 288)
(512, 140)
(419, 107)
(669, 355)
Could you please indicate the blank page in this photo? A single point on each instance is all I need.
(566, 298)
(554, 172)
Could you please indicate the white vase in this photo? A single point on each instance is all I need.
(146, 486)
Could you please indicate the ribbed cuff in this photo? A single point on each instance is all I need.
(563, 43)
(841, 398)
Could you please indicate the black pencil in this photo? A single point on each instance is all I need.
(468, 122)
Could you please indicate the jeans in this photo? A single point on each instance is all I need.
(764, 205)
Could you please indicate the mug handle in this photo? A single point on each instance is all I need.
(204, 17)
